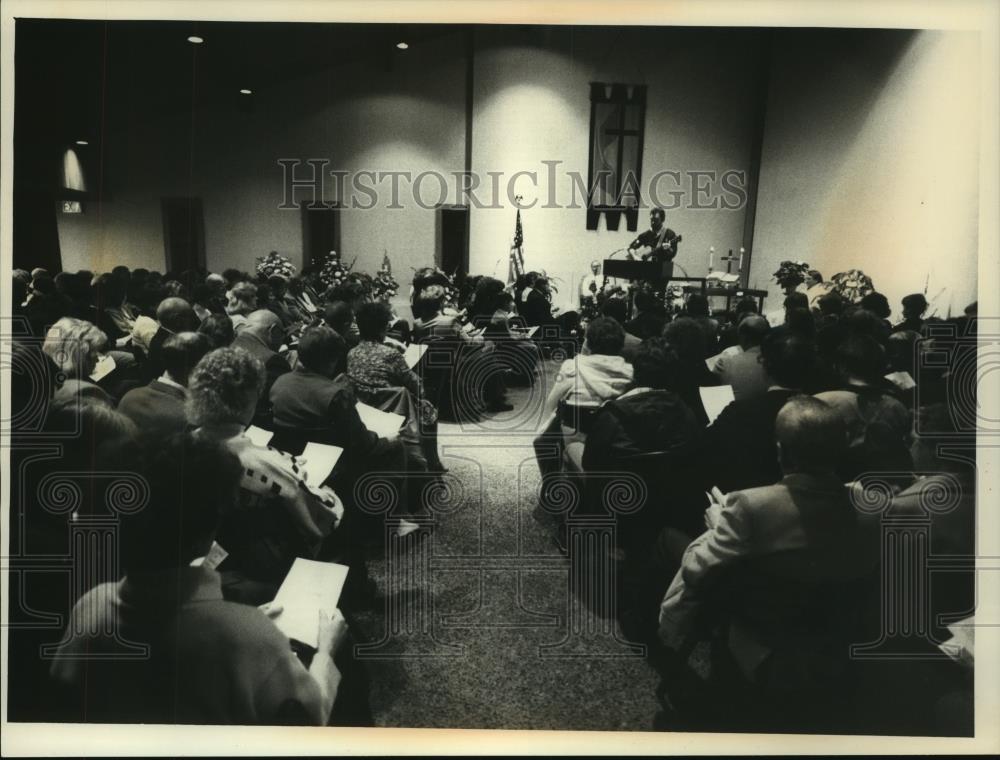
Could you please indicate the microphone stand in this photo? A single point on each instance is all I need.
(604, 282)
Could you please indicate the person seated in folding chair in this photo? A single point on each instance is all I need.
(382, 378)
(581, 386)
(784, 570)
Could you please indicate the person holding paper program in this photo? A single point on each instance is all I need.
(798, 540)
(281, 516)
(209, 660)
(318, 402)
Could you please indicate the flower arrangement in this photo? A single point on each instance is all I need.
(275, 264)
(791, 274)
(384, 286)
(333, 271)
(852, 285)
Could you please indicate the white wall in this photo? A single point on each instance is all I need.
(153, 158)
(870, 161)
(532, 103)
(357, 116)
(869, 157)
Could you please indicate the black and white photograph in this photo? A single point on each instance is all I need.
(614, 370)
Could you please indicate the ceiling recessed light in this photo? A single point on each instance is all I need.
(196, 40)
(245, 91)
(402, 45)
(82, 142)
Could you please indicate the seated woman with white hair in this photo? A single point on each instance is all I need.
(75, 346)
(241, 300)
(280, 516)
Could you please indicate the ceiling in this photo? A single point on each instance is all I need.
(77, 79)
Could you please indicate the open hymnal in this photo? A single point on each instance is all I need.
(902, 380)
(715, 398)
(104, 367)
(309, 588)
(317, 461)
(383, 424)
(258, 436)
(414, 353)
(216, 555)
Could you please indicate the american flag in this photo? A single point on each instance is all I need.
(516, 262)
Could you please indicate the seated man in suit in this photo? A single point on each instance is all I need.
(536, 303)
(157, 409)
(744, 370)
(315, 397)
(173, 315)
(262, 336)
(535, 307)
(799, 557)
(319, 401)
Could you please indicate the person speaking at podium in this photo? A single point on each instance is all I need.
(659, 241)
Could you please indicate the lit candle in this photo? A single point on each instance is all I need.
(711, 255)
(741, 259)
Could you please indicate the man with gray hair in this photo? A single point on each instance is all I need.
(784, 565)
(744, 370)
(262, 336)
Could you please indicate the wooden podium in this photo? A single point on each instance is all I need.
(643, 271)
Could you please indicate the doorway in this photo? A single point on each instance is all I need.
(320, 231)
(183, 234)
(452, 239)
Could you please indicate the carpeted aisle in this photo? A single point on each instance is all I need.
(483, 594)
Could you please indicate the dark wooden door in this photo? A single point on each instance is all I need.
(320, 232)
(183, 234)
(453, 239)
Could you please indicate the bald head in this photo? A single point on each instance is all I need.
(216, 283)
(182, 351)
(811, 436)
(175, 314)
(265, 325)
(752, 331)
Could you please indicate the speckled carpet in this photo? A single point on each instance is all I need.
(459, 631)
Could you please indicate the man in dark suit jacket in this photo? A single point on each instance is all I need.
(173, 315)
(786, 565)
(536, 308)
(320, 404)
(262, 336)
(157, 409)
(315, 398)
